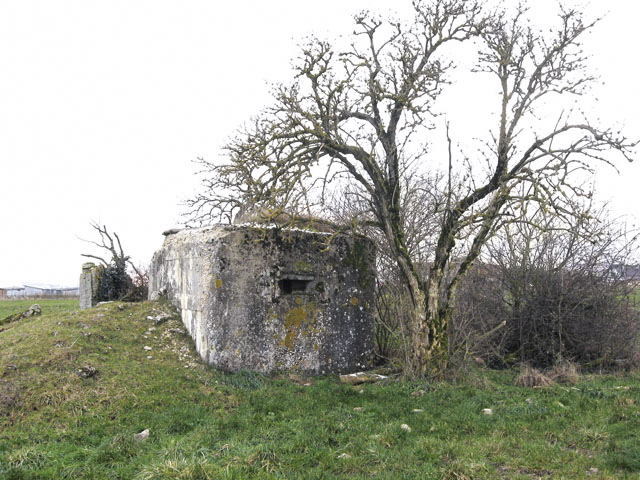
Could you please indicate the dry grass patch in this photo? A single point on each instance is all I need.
(532, 378)
(565, 372)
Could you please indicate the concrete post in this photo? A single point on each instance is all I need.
(88, 285)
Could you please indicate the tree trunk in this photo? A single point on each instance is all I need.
(429, 317)
(428, 326)
(429, 330)
(419, 333)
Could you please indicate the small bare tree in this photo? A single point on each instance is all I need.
(114, 282)
(358, 116)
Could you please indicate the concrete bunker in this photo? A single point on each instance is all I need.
(269, 299)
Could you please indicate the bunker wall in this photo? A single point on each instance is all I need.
(271, 300)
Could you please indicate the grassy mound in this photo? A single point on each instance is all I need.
(76, 387)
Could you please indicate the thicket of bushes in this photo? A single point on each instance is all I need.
(115, 283)
(546, 317)
(541, 295)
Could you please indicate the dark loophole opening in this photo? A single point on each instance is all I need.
(293, 285)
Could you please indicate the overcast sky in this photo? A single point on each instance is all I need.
(105, 104)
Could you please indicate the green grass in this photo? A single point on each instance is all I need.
(205, 424)
(11, 307)
(634, 297)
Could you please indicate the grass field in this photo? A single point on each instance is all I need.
(10, 307)
(59, 418)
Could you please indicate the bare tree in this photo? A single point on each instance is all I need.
(421, 205)
(358, 116)
(115, 282)
(114, 247)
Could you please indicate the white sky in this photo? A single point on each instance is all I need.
(104, 105)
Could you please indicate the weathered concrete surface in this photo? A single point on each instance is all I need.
(271, 300)
(88, 285)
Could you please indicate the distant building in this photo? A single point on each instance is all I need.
(627, 273)
(38, 290)
(15, 292)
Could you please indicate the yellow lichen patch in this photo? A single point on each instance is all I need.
(294, 321)
(354, 300)
(296, 316)
(288, 338)
(218, 282)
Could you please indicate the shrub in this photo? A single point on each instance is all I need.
(113, 282)
(559, 293)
